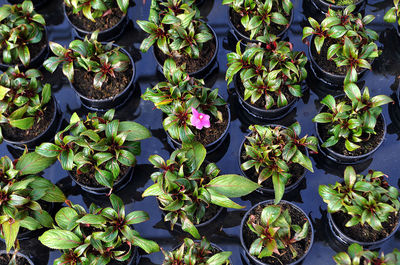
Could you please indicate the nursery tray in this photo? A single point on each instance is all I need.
(383, 79)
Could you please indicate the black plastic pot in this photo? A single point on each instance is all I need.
(344, 159)
(105, 35)
(36, 62)
(118, 185)
(45, 136)
(346, 240)
(271, 202)
(323, 6)
(321, 73)
(210, 147)
(205, 70)
(19, 254)
(263, 190)
(36, 3)
(263, 114)
(113, 102)
(239, 36)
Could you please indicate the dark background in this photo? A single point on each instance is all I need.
(383, 79)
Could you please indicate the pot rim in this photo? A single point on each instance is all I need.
(271, 202)
(103, 190)
(344, 237)
(314, 62)
(104, 100)
(222, 136)
(263, 110)
(53, 120)
(121, 21)
(213, 58)
(267, 190)
(357, 158)
(246, 38)
(4, 252)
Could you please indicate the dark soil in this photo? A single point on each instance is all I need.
(102, 23)
(329, 65)
(296, 170)
(5, 259)
(34, 50)
(211, 211)
(261, 102)
(364, 233)
(192, 65)
(83, 83)
(286, 256)
(88, 179)
(235, 19)
(369, 143)
(207, 136)
(40, 125)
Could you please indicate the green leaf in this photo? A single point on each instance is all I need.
(66, 218)
(390, 15)
(136, 131)
(219, 258)
(136, 217)
(104, 177)
(323, 118)
(118, 205)
(57, 49)
(223, 201)
(232, 185)
(153, 190)
(10, 231)
(68, 71)
(126, 158)
(67, 159)
(92, 219)
(48, 150)
(24, 55)
(33, 163)
(60, 239)
(279, 187)
(23, 124)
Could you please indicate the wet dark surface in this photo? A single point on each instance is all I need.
(382, 80)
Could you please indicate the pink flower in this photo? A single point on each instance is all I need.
(199, 120)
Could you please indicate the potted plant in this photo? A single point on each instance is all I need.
(250, 18)
(101, 74)
(276, 157)
(192, 110)
(357, 255)
(276, 234)
(29, 114)
(14, 257)
(98, 236)
(25, 198)
(187, 188)
(108, 17)
(180, 34)
(98, 152)
(268, 77)
(351, 127)
(325, 5)
(197, 252)
(362, 209)
(342, 46)
(23, 36)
